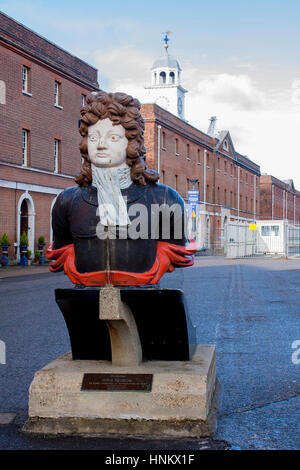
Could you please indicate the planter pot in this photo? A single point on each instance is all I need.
(41, 249)
(4, 258)
(23, 260)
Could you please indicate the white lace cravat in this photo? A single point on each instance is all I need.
(111, 205)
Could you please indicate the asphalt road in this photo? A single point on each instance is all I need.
(248, 308)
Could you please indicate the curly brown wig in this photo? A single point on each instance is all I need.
(120, 109)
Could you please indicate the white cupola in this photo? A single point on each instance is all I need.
(165, 89)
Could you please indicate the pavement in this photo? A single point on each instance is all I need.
(248, 308)
(12, 271)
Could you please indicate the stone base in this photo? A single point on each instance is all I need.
(183, 401)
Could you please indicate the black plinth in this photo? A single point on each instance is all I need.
(163, 323)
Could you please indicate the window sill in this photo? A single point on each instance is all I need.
(164, 148)
(26, 93)
(177, 154)
(58, 106)
(199, 164)
(188, 159)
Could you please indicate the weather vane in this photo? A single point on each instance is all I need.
(166, 39)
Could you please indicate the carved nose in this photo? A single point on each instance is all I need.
(101, 144)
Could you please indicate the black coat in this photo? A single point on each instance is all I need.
(74, 220)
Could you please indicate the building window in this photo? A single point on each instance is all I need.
(207, 159)
(175, 182)
(2, 92)
(25, 147)
(270, 231)
(225, 166)
(225, 197)
(56, 155)
(162, 78)
(26, 79)
(83, 97)
(164, 141)
(163, 176)
(172, 78)
(199, 156)
(176, 147)
(188, 151)
(225, 145)
(57, 94)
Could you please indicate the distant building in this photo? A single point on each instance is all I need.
(279, 199)
(42, 88)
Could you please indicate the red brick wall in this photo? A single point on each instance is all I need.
(39, 115)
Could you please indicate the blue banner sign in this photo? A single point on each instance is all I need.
(193, 203)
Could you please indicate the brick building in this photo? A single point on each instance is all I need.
(42, 88)
(279, 199)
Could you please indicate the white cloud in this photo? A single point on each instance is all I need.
(236, 90)
(126, 68)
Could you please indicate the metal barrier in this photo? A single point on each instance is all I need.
(293, 240)
(240, 241)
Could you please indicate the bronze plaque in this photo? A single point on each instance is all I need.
(117, 382)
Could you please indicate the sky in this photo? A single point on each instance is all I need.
(240, 61)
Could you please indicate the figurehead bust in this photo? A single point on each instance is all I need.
(114, 188)
(121, 113)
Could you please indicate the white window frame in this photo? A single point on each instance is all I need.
(57, 92)
(83, 98)
(25, 148)
(56, 155)
(25, 79)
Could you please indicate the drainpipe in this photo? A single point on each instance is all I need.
(158, 148)
(204, 179)
(272, 201)
(238, 194)
(294, 209)
(254, 199)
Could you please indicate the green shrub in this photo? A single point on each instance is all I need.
(28, 254)
(41, 240)
(5, 240)
(24, 239)
(37, 255)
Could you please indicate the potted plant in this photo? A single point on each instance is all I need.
(5, 243)
(23, 245)
(41, 244)
(37, 257)
(28, 256)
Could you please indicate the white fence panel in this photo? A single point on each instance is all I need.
(240, 241)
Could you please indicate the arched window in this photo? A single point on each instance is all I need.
(172, 78)
(162, 78)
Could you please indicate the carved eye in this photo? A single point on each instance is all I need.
(93, 138)
(115, 138)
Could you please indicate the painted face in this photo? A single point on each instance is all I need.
(107, 144)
